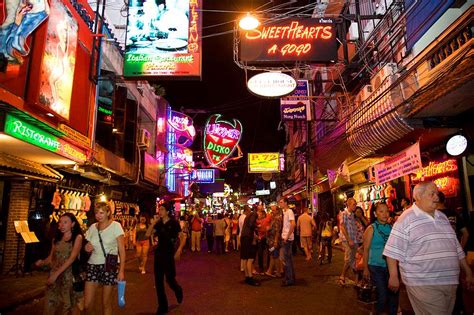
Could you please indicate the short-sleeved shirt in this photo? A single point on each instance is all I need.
(220, 227)
(304, 223)
(167, 234)
(275, 228)
(426, 248)
(348, 220)
(109, 240)
(196, 224)
(288, 216)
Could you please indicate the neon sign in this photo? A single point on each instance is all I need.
(434, 169)
(291, 40)
(31, 134)
(183, 128)
(220, 140)
(206, 175)
(163, 40)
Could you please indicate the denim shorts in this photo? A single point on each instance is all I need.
(97, 274)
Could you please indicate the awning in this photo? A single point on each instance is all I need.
(376, 123)
(17, 166)
(295, 189)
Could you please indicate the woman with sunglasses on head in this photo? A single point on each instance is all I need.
(67, 243)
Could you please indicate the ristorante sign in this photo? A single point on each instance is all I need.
(31, 134)
(291, 40)
(221, 138)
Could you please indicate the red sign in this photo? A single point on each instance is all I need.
(291, 40)
(220, 140)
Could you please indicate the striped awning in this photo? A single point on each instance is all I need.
(376, 123)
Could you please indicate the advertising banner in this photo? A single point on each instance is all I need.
(290, 40)
(406, 162)
(264, 162)
(297, 105)
(59, 60)
(163, 39)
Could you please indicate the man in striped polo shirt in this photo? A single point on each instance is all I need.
(424, 245)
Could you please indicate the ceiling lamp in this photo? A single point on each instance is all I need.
(249, 22)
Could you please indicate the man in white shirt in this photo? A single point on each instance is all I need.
(287, 236)
(241, 224)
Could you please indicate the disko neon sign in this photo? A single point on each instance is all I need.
(435, 169)
(291, 40)
(31, 134)
(220, 141)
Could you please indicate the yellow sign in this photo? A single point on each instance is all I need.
(75, 135)
(264, 162)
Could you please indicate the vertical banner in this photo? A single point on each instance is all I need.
(406, 162)
(297, 106)
(163, 39)
(59, 60)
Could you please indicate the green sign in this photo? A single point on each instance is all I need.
(34, 135)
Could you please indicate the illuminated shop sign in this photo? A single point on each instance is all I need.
(182, 159)
(290, 40)
(296, 106)
(435, 169)
(163, 39)
(271, 84)
(203, 176)
(31, 134)
(264, 162)
(183, 128)
(221, 138)
(59, 60)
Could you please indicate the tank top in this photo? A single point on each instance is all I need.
(327, 229)
(140, 233)
(380, 236)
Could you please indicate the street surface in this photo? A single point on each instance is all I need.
(213, 284)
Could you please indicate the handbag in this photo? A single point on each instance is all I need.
(79, 270)
(111, 260)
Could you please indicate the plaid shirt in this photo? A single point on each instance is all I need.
(348, 220)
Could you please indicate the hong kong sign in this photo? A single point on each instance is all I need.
(221, 139)
(290, 40)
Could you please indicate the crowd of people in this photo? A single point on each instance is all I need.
(421, 245)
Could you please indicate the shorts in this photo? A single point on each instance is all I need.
(247, 249)
(97, 274)
(349, 254)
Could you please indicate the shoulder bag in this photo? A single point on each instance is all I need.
(111, 260)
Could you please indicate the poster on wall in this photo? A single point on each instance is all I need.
(59, 60)
(221, 139)
(163, 39)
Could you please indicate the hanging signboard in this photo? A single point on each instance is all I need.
(203, 176)
(443, 174)
(296, 106)
(271, 84)
(221, 139)
(264, 162)
(290, 40)
(163, 40)
(403, 163)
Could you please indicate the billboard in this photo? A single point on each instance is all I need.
(163, 39)
(59, 60)
(296, 106)
(290, 40)
(221, 138)
(264, 162)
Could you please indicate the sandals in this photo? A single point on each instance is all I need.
(269, 274)
(341, 281)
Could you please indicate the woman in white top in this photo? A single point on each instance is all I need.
(112, 236)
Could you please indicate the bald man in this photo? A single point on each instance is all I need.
(425, 247)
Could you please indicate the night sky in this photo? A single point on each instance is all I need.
(223, 90)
